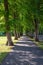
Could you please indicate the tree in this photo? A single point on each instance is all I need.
(9, 40)
(35, 10)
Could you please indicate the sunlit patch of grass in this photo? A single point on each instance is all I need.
(3, 48)
(40, 44)
(3, 51)
(32, 39)
(3, 40)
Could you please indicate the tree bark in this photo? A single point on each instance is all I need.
(9, 40)
(36, 30)
(15, 34)
(18, 34)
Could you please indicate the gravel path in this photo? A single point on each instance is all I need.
(25, 52)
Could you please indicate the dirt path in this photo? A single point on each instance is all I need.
(25, 52)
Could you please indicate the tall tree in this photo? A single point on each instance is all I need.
(9, 40)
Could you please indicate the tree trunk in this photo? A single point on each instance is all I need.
(18, 34)
(9, 40)
(15, 35)
(36, 30)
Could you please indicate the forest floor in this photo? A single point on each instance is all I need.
(24, 52)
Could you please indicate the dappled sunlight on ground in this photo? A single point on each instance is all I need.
(27, 45)
(39, 43)
(3, 40)
(3, 51)
(23, 53)
(5, 48)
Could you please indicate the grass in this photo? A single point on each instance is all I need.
(40, 43)
(4, 51)
(3, 48)
(3, 40)
(2, 56)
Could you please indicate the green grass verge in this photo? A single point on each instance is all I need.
(2, 56)
(3, 40)
(5, 49)
(39, 44)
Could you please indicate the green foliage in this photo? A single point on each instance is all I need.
(21, 13)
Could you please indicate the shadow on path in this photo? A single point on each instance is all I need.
(24, 53)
